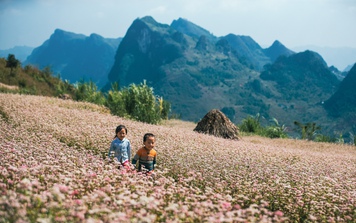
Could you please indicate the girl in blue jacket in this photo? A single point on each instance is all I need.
(120, 147)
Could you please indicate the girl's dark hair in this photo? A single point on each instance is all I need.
(119, 128)
(147, 135)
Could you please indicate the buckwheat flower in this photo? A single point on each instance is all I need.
(172, 207)
(80, 215)
(278, 213)
(10, 182)
(60, 219)
(63, 188)
(78, 202)
(74, 193)
(43, 220)
(226, 205)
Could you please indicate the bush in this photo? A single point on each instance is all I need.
(89, 92)
(323, 138)
(276, 130)
(251, 124)
(140, 103)
(115, 102)
(137, 102)
(308, 130)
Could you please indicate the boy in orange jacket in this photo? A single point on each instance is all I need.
(146, 156)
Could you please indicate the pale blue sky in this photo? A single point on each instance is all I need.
(325, 23)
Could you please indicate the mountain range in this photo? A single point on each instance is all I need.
(339, 57)
(21, 52)
(196, 72)
(76, 57)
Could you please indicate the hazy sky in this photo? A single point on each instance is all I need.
(326, 23)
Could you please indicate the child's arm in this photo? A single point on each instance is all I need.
(154, 161)
(134, 160)
(111, 149)
(129, 151)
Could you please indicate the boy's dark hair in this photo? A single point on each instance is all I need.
(147, 135)
(119, 128)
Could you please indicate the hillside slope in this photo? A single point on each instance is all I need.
(30, 80)
(52, 154)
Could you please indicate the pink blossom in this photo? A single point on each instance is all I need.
(226, 205)
(279, 213)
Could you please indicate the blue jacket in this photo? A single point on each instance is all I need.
(121, 149)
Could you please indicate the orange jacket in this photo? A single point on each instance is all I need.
(146, 158)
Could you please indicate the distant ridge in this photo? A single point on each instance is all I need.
(304, 76)
(191, 29)
(76, 57)
(277, 49)
(247, 48)
(343, 102)
(21, 52)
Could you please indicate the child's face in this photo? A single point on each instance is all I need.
(122, 134)
(149, 143)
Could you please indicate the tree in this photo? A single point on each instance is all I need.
(12, 62)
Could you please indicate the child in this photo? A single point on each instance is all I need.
(120, 147)
(146, 155)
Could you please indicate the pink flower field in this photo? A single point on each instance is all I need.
(54, 169)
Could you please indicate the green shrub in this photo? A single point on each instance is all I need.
(137, 102)
(308, 130)
(251, 124)
(323, 138)
(140, 103)
(275, 131)
(89, 92)
(115, 102)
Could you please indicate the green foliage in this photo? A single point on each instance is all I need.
(324, 138)
(64, 87)
(31, 80)
(276, 130)
(141, 104)
(251, 124)
(308, 130)
(89, 92)
(115, 101)
(339, 139)
(137, 102)
(164, 108)
(12, 62)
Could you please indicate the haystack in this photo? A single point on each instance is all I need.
(216, 123)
